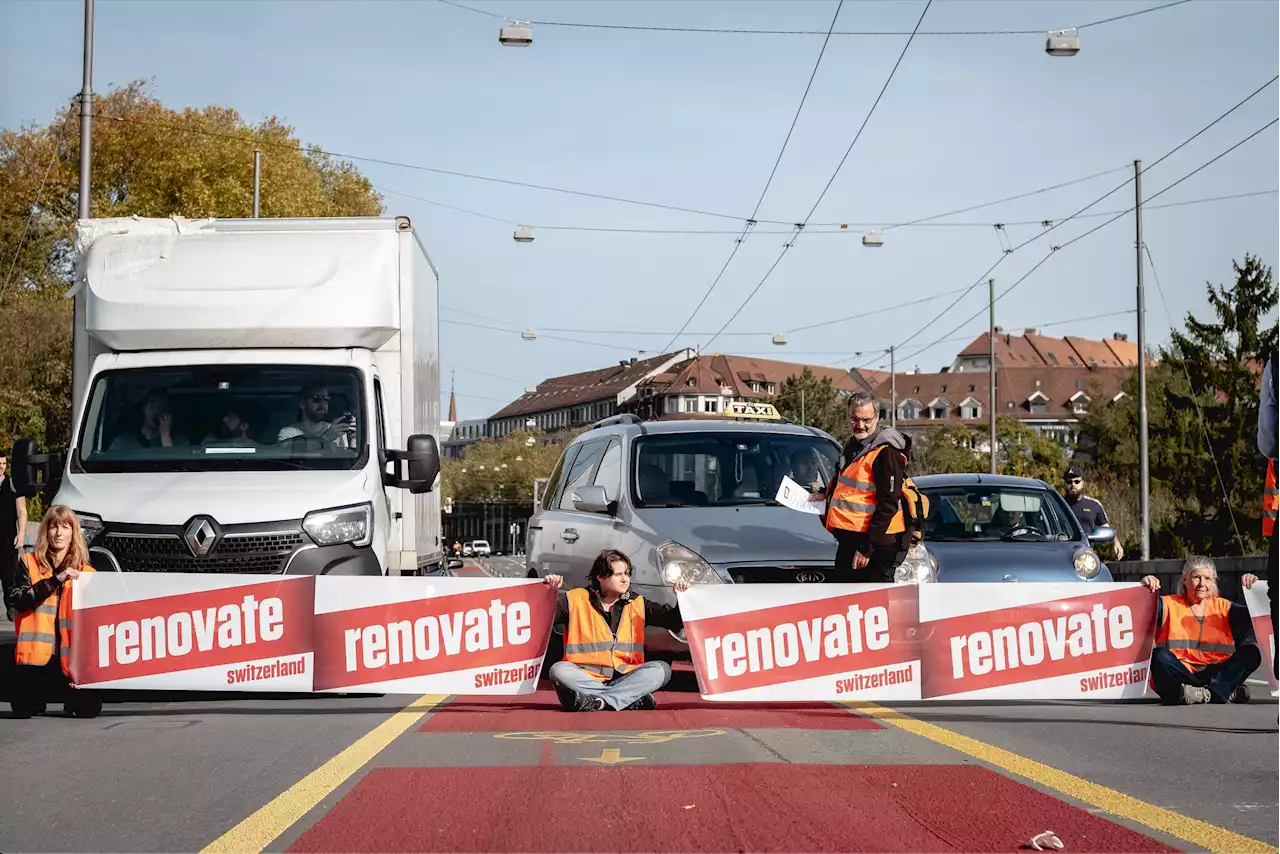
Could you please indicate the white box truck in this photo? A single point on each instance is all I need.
(258, 396)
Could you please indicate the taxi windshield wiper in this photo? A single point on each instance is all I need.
(754, 502)
(1025, 536)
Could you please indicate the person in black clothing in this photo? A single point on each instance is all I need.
(1089, 512)
(604, 666)
(13, 528)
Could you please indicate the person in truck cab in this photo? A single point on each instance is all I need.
(314, 403)
(156, 429)
(604, 666)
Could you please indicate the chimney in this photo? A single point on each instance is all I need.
(633, 360)
(999, 329)
(1028, 331)
(1120, 336)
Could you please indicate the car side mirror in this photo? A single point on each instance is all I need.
(455, 563)
(34, 473)
(422, 459)
(1102, 534)
(590, 499)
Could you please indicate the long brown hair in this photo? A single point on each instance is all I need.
(77, 552)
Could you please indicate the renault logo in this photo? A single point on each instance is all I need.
(810, 577)
(200, 536)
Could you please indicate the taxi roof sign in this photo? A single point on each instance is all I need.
(754, 411)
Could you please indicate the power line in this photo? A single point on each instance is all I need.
(487, 374)
(549, 337)
(800, 226)
(737, 244)
(1204, 427)
(764, 32)
(26, 225)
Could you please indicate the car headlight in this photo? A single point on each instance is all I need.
(90, 525)
(677, 563)
(1087, 563)
(339, 525)
(919, 567)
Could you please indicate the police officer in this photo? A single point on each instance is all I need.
(1089, 511)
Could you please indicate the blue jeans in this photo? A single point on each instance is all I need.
(572, 681)
(1222, 679)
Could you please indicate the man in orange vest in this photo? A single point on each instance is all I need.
(1267, 441)
(604, 666)
(1204, 644)
(864, 511)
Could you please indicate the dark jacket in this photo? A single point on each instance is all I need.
(655, 613)
(25, 596)
(887, 470)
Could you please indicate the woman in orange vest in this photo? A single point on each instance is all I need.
(604, 622)
(41, 594)
(1204, 644)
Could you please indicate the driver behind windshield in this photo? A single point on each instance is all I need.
(804, 470)
(314, 403)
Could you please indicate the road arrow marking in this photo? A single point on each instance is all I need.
(611, 756)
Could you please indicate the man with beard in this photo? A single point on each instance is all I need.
(314, 403)
(864, 510)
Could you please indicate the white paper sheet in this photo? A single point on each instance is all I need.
(793, 495)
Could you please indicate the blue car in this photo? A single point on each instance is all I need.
(984, 527)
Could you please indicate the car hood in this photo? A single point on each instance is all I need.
(737, 535)
(231, 497)
(993, 561)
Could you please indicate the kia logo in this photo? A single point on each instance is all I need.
(810, 577)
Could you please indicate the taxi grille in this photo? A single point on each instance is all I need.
(252, 554)
(781, 574)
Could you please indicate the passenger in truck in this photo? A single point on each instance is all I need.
(314, 403)
(155, 429)
(233, 429)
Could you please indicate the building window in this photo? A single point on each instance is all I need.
(711, 404)
(938, 413)
(1080, 385)
(916, 390)
(673, 404)
(909, 411)
(943, 390)
(690, 404)
(971, 387)
(1080, 406)
(771, 388)
(970, 409)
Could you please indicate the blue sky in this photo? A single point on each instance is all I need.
(696, 120)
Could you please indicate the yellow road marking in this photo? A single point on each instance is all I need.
(611, 756)
(610, 736)
(1205, 836)
(259, 830)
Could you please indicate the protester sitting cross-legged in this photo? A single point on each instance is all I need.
(604, 666)
(41, 594)
(1204, 644)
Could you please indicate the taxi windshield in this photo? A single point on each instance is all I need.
(727, 469)
(983, 512)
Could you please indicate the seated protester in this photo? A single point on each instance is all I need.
(604, 666)
(41, 593)
(1204, 644)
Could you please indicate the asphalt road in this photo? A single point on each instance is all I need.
(397, 773)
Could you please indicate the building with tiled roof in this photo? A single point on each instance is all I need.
(1031, 349)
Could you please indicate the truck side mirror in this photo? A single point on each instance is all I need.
(423, 462)
(34, 473)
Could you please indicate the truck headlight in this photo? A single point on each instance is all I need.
(919, 567)
(90, 525)
(1087, 563)
(677, 563)
(339, 525)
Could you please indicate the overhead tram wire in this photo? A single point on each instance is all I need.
(746, 228)
(762, 32)
(800, 226)
(1056, 249)
(1056, 225)
(548, 337)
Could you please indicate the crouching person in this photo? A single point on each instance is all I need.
(41, 594)
(1204, 644)
(604, 666)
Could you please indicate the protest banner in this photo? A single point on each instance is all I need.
(1259, 604)
(802, 642)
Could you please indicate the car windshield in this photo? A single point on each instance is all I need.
(219, 417)
(727, 469)
(982, 512)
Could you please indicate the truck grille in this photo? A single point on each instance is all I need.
(251, 554)
(781, 574)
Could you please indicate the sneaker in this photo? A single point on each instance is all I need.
(590, 704)
(1194, 695)
(1240, 695)
(644, 704)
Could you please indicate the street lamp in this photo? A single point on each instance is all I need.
(523, 234)
(780, 339)
(529, 335)
(516, 33)
(873, 238)
(1061, 44)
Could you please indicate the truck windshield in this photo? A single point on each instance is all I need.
(221, 417)
(727, 469)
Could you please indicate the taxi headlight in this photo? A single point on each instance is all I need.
(341, 525)
(919, 567)
(676, 563)
(1087, 563)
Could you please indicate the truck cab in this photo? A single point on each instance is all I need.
(252, 396)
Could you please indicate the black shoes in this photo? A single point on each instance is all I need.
(588, 703)
(644, 704)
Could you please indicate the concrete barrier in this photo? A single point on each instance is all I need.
(1230, 569)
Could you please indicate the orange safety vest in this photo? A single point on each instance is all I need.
(1270, 502)
(590, 644)
(1196, 642)
(852, 503)
(50, 622)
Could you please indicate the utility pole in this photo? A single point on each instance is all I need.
(257, 181)
(802, 404)
(1144, 463)
(80, 342)
(893, 388)
(991, 368)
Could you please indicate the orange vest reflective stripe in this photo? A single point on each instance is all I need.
(590, 644)
(853, 501)
(1270, 502)
(49, 623)
(1192, 641)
